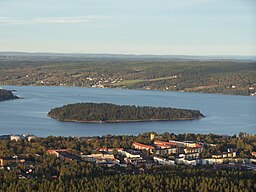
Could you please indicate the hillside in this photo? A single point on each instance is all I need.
(162, 73)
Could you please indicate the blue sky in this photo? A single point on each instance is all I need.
(174, 27)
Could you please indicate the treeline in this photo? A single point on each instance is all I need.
(106, 112)
(6, 95)
(173, 179)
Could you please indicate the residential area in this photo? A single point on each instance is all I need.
(139, 157)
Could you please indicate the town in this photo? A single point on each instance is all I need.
(166, 162)
(154, 151)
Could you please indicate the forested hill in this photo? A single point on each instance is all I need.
(6, 95)
(106, 112)
(190, 75)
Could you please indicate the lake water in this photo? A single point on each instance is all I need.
(224, 114)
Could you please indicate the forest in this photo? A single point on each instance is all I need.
(52, 174)
(107, 112)
(6, 95)
(228, 76)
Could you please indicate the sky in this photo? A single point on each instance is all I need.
(160, 27)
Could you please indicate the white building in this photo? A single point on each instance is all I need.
(163, 161)
(15, 137)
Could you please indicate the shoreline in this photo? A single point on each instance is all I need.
(177, 91)
(125, 121)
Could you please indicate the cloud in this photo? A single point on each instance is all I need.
(54, 20)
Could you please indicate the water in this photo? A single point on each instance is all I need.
(224, 114)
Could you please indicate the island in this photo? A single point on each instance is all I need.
(7, 95)
(110, 113)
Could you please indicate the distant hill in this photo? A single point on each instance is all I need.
(214, 74)
(128, 56)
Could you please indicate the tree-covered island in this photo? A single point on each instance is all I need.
(7, 95)
(106, 112)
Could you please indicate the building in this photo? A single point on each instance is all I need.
(141, 146)
(31, 137)
(190, 155)
(110, 150)
(224, 155)
(186, 161)
(167, 151)
(56, 152)
(191, 144)
(164, 161)
(193, 150)
(15, 137)
(211, 161)
(102, 155)
(152, 136)
(131, 154)
(164, 144)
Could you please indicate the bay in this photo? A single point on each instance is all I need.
(225, 114)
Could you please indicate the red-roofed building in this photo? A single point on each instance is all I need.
(141, 146)
(162, 146)
(254, 154)
(157, 142)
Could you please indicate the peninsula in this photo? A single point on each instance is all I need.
(110, 113)
(7, 95)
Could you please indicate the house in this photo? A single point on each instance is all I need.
(254, 154)
(141, 146)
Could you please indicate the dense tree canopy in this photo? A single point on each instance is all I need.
(106, 112)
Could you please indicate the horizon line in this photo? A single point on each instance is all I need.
(128, 54)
